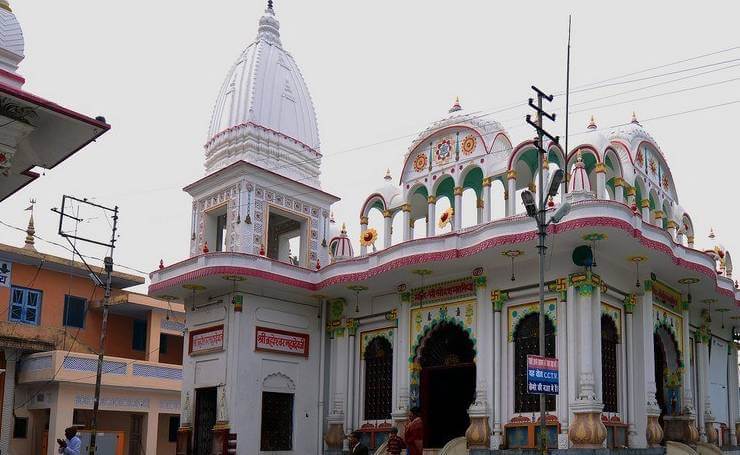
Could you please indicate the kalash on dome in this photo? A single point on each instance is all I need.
(294, 340)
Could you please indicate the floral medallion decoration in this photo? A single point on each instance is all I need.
(468, 144)
(639, 159)
(519, 312)
(420, 162)
(367, 337)
(594, 237)
(665, 182)
(368, 237)
(653, 167)
(445, 218)
(443, 151)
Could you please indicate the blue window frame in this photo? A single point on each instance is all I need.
(25, 305)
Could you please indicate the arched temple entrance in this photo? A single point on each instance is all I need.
(447, 387)
(667, 372)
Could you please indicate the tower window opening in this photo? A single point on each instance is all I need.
(287, 237)
(221, 232)
(217, 228)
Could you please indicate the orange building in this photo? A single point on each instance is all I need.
(50, 320)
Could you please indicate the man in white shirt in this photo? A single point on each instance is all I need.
(72, 445)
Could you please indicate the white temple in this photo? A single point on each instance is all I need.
(293, 340)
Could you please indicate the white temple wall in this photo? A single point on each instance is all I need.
(718, 395)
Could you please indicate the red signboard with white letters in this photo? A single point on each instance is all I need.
(205, 340)
(281, 341)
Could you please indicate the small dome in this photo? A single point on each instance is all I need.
(632, 134)
(594, 137)
(11, 43)
(483, 123)
(391, 193)
(340, 247)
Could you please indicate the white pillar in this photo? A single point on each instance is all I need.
(600, 181)
(408, 231)
(431, 217)
(363, 228)
(350, 378)
(671, 226)
(645, 205)
(629, 308)
(732, 389)
(702, 373)
(646, 404)
(562, 354)
(457, 210)
(619, 190)
(11, 357)
(486, 196)
(387, 228)
(511, 193)
(688, 393)
(497, 299)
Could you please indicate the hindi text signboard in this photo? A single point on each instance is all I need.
(274, 340)
(542, 375)
(6, 268)
(209, 339)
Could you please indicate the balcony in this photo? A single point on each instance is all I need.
(117, 372)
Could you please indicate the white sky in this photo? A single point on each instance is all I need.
(376, 71)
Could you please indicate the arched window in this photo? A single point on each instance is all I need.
(526, 342)
(378, 379)
(609, 341)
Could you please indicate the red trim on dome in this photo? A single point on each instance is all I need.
(448, 255)
(257, 125)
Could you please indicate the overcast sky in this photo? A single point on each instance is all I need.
(376, 71)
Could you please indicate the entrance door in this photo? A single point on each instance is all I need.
(447, 393)
(134, 442)
(205, 419)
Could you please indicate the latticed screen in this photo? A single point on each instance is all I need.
(609, 340)
(526, 342)
(378, 379)
(277, 421)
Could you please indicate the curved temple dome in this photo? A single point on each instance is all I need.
(264, 113)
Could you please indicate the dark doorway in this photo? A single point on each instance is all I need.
(205, 419)
(660, 367)
(667, 364)
(447, 383)
(527, 342)
(609, 342)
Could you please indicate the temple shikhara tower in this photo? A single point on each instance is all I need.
(300, 330)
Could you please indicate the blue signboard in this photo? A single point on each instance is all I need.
(542, 375)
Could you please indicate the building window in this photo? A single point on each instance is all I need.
(277, 421)
(74, 311)
(163, 343)
(138, 340)
(172, 430)
(378, 379)
(221, 232)
(287, 238)
(609, 341)
(526, 342)
(20, 428)
(25, 305)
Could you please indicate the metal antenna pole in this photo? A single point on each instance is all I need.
(567, 105)
(103, 329)
(541, 233)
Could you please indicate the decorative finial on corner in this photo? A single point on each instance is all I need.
(634, 118)
(592, 123)
(269, 4)
(344, 229)
(711, 233)
(388, 175)
(161, 264)
(456, 107)
(331, 217)
(30, 230)
(579, 157)
(205, 247)
(4, 4)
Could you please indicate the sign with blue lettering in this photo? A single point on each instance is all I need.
(542, 375)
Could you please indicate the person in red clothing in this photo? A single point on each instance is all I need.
(395, 443)
(414, 434)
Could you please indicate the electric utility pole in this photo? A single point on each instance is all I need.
(539, 215)
(108, 267)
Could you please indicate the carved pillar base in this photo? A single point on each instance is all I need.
(478, 433)
(653, 431)
(334, 437)
(587, 431)
(400, 420)
(711, 432)
(680, 429)
(183, 446)
(220, 436)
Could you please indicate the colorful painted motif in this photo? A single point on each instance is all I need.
(639, 159)
(468, 144)
(425, 318)
(420, 162)
(671, 321)
(653, 167)
(518, 312)
(616, 315)
(666, 182)
(367, 337)
(443, 151)
(664, 294)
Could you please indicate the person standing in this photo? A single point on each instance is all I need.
(72, 444)
(414, 434)
(395, 443)
(355, 446)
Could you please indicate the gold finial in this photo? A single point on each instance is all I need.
(456, 107)
(344, 229)
(634, 117)
(711, 233)
(388, 174)
(4, 4)
(592, 123)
